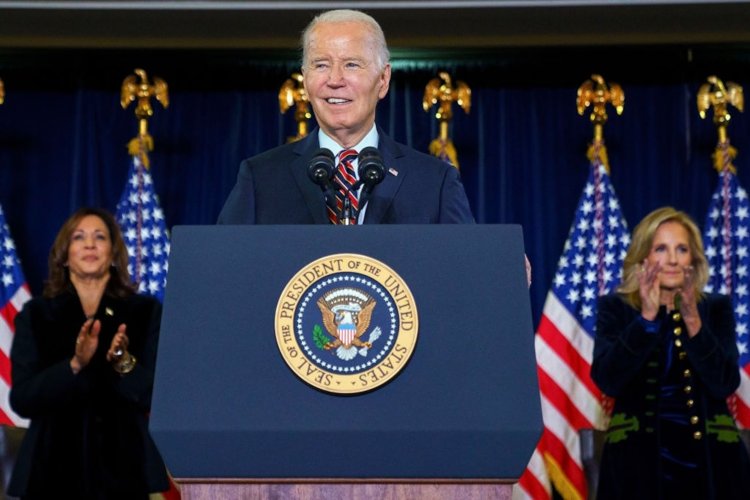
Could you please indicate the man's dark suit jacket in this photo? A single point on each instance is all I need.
(273, 188)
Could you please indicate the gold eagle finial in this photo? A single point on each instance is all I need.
(293, 93)
(718, 96)
(142, 91)
(441, 91)
(597, 94)
(715, 94)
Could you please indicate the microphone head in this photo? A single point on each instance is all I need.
(321, 168)
(371, 169)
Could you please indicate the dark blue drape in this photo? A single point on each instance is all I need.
(521, 148)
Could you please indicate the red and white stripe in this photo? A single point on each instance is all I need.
(741, 400)
(534, 483)
(570, 401)
(346, 334)
(7, 332)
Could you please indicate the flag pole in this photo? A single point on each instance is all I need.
(590, 266)
(724, 229)
(139, 212)
(441, 91)
(132, 90)
(595, 93)
(718, 96)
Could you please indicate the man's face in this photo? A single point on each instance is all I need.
(343, 80)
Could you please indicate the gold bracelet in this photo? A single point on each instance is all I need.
(124, 364)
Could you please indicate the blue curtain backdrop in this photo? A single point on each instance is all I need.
(522, 147)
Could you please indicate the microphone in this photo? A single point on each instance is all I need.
(321, 167)
(371, 172)
(321, 171)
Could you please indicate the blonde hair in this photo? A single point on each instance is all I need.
(640, 247)
(382, 54)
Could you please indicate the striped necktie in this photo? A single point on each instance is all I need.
(345, 178)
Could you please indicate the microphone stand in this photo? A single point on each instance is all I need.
(371, 173)
(345, 217)
(346, 211)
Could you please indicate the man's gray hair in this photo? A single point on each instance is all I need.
(383, 56)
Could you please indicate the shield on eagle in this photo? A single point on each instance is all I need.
(346, 315)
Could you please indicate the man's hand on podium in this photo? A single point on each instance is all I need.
(528, 270)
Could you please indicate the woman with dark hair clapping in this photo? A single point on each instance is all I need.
(83, 365)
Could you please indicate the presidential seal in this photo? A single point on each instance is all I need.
(346, 323)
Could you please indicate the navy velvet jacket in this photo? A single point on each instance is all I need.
(671, 434)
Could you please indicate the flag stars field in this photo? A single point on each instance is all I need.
(146, 235)
(725, 239)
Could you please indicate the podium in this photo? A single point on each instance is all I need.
(233, 419)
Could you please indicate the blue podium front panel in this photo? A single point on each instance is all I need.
(465, 405)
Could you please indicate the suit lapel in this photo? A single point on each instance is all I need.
(303, 151)
(383, 194)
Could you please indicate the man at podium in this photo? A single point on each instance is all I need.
(347, 171)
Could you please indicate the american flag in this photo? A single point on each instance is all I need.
(727, 245)
(142, 222)
(590, 266)
(13, 293)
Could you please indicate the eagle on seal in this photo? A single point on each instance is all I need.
(346, 316)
